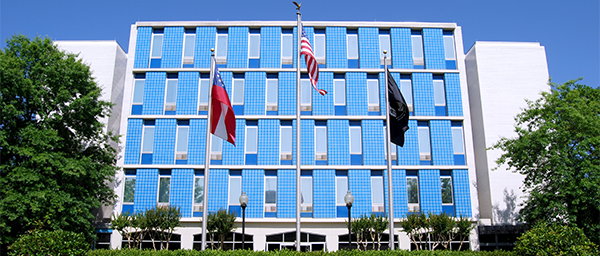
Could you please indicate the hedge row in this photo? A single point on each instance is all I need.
(291, 253)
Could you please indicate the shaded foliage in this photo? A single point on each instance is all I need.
(44, 242)
(555, 239)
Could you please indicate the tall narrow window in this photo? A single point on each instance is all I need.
(352, 48)
(171, 94)
(221, 46)
(254, 48)
(394, 148)
(307, 194)
(373, 94)
(147, 142)
(203, 94)
(319, 47)
(341, 188)
(412, 192)
(305, 97)
(129, 191)
(339, 93)
(446, 182)
(164, 187)
(385, 45)
(156, 50)
(181, 149)
(417, 49)
(235, 187)
(449, 50)
(458, 143)
(355, 143)
(321, 142)
(198, 204)
(138, 94)
(439, 95)
(216, 150)
(237, 100)
(251, 141)
(377, 191)
(424, 143)
(272, 91)
(270, 193)
(406, 90)
(189, 41)
(287, 50)
(285, 142)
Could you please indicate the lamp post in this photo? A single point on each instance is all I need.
(243, 203)
(349, 199)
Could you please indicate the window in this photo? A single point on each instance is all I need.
(352, 48)
(458, 143)
(138, 94)
(221, 46)
(417, 49)
(377, 191)
(339, 93)
(341, 187)
(254, 48)
(272, 96)
(305, 96)
(439, 95)
(129, 191)
(285, 142)
(373, 94)
(406, 90)
(237, 100)
(198, 205)
(355, 143)
(270, 193)
(216, 150)
(446, 182)
(203, 94)
(171, 94)
(424, 143)
(384, 45)
(147, 142)
(449, 50)
(181, 149)
(156, 50)
(287, 52)
(394, 148)
(412, 193)
(307, 194)
(320, 142)
(189, 41)
(319, 46)
(251, 141)
(235, 187)
(164, 187)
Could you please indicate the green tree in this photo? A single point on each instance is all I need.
(55, 157)
(220, 223)
(555, 148)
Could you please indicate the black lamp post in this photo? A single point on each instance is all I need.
(349, 199)
(243, 203)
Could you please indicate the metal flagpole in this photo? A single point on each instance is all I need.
(207, 150)
(389, 155)
(298, 194)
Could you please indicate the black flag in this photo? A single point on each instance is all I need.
(398, 112)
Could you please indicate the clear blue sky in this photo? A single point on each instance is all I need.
(569, 30)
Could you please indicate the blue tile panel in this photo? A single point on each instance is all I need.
(218, 189)
(399, 190)
(237, 47)
(187, 93)
(323, 105)
(453, 95)
(133, 143)
(294, 142)
(424, 104)
(295, 47)
(205, 40)
(372, 141)
(433, 46)
(324, 194)
(356, 91)
(235, 155)
(287, 93)
(270, 47)
(441, 142)
(254, 96)
(172, 47)
(253, 184)
(310, 33)
(359, 183)
(182, 190)
(401, 48)
(164, 141)
(197, 141)
(430, 189)
(268, 141)
(462, 194)
(382, 92)
(335, 38)
(368, 47)
(409, 154)
(307, 135)
(154, 93)
(142, 47)
(286, 193)
(338, 148)
(146, 185)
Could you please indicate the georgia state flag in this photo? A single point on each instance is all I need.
(222, 116)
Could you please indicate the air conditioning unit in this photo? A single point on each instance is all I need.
(378, 208)
(182, 156)
(271, 107)
(198, 208)
(373, 108)
(203, 108)
(270, 208)
(306, 108)
(306, 208)
(162, 204)
(221, 60)
(188, 60)
(410, 108)
(322, 157)
(425, 157)
(286, 156)
(394, 157)
(216, 156)
(170, 107)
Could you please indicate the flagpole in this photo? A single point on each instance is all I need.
(298, 126)
(389, 156)
(207, 150)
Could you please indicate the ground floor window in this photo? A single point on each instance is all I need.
(233, 241)
(151, 240)
(308, 242)
(369, 243)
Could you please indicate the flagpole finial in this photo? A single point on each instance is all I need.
(297, 5)
(384, 51)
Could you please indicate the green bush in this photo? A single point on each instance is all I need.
(555, 239)
(43, 242)
(292, 253)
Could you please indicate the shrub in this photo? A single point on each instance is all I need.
(43, 242)
(555, 239)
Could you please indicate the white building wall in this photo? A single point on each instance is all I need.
(501, 76)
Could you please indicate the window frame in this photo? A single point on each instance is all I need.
(305, 95)
(138, 87)
(389, 50)
(449, 41)
(204, 82)
(216, 149)
(198, 207)
(181, 155)
(406, 84)
(285, 60)
(129, 178)
(419, 48)
(221, 56)
(285, 155)
(188, 59)
(145, 139)
(394, 148)
(339, 88)
(304, 206)
(373, 83)
(412, 206)
(249, 138)
(159, 186)
(320, 46)
(320, 155)
(269, 91)
(234, 200)
(250, 45)
(171, 106)
(156, 51)
(355, 147)
(340, 198)
(270, 207)
(377, 207)
(237, 96)
(447, 177)
(439, 92)
(350, 39)
(422, 131)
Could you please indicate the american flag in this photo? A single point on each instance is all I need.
(311, 61)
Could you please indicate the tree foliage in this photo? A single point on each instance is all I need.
(220, 223)
(555, 239)
(156, 223)
(55, 157)
(556, 150)
(44, 242)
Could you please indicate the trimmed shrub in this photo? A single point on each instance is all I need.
(292, 253)
(555, 239)
(43, 242)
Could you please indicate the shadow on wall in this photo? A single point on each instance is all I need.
(508, 215)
